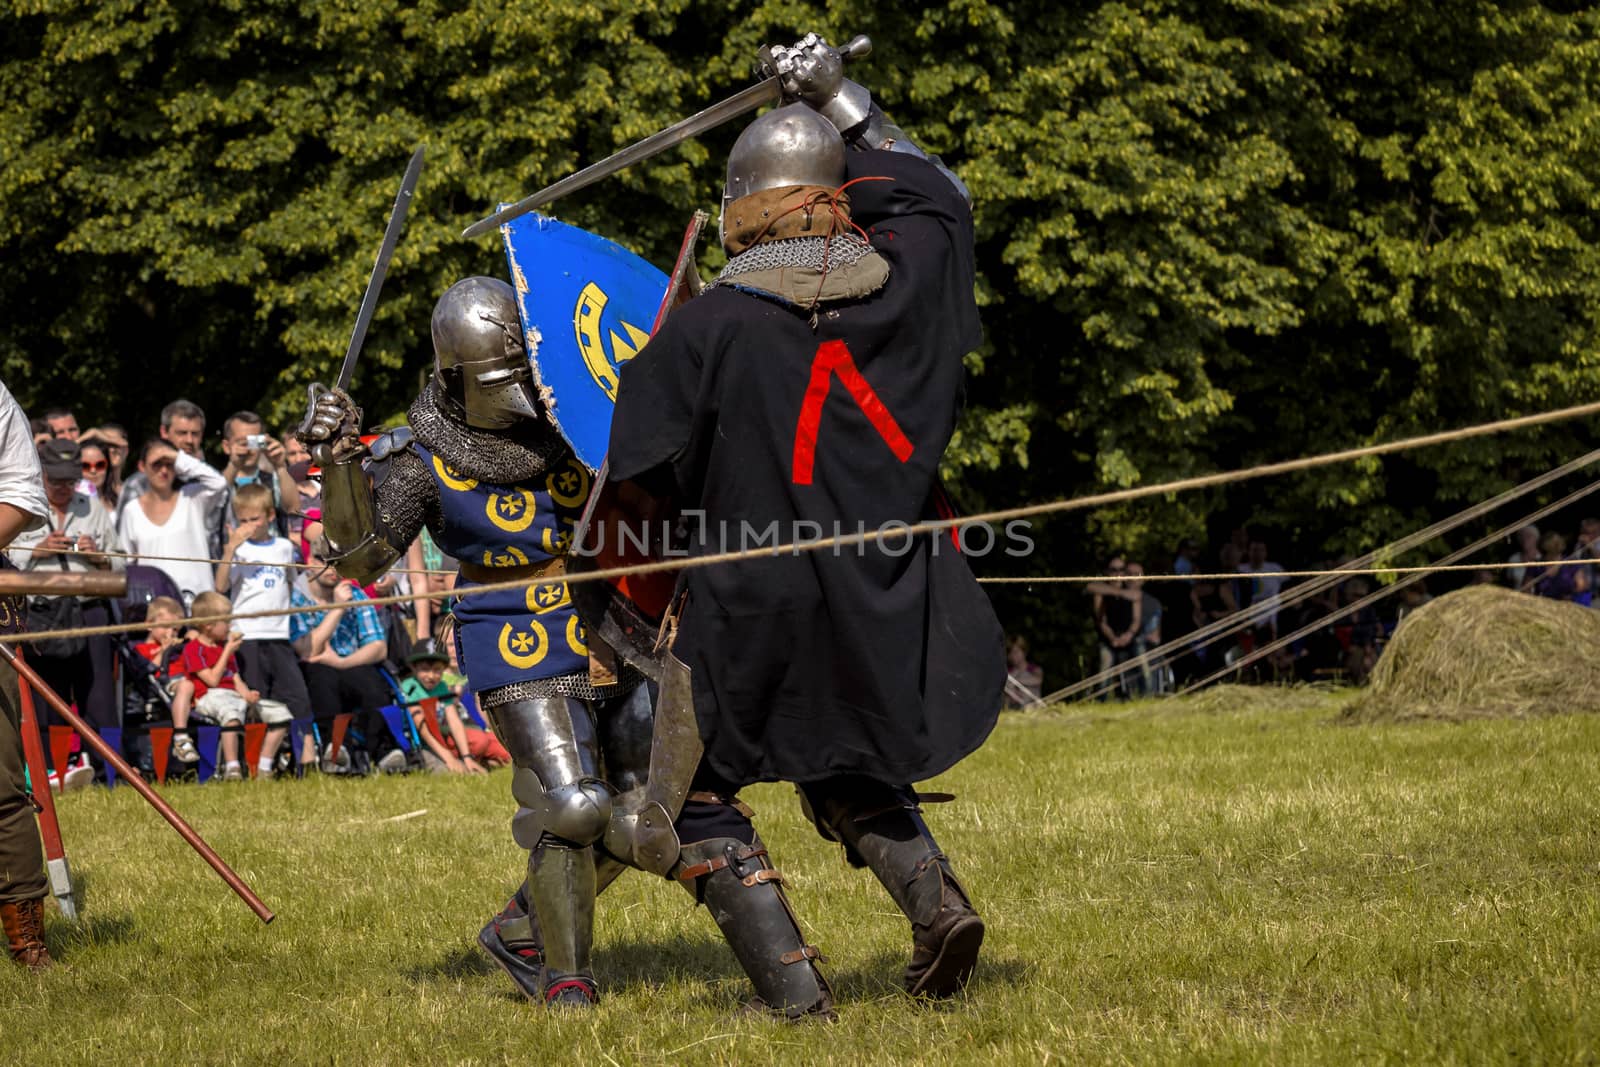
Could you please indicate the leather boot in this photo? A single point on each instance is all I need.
(24, 926)
(745, 896)
(946, 932)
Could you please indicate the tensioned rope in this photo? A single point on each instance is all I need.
(1343, 572)
(1231, 624)
(1393, 588)
(906, 530)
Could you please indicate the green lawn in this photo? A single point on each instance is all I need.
(1239, 879)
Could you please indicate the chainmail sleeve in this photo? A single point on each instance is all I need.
(407, 499)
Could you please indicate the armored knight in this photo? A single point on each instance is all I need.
(852, 674)
(485, 469)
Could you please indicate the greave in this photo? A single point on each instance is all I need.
(946, 931)
(561, 888)
(745, 897)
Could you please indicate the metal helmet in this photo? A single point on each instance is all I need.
(789, 145)
(478, 355)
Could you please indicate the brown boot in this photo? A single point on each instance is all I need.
(24, 925)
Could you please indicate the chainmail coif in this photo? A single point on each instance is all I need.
(501, 457)
(841, 251)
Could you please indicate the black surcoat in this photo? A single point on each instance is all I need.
(887, 663)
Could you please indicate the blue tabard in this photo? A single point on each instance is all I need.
(517, 635)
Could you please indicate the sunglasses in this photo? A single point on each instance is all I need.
(91, 467)
(162, 465)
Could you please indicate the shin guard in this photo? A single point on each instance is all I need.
(745, 897)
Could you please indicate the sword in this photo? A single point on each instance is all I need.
(380, 267)
(762, 92)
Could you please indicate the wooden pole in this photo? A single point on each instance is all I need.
(110, 584)
(111, 756)
(55, 854)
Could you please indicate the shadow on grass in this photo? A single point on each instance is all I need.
(464, 961)
(61, 937)
(879, 978)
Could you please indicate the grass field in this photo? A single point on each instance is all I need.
(1239, 879)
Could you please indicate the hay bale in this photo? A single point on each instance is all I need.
(1485, 651)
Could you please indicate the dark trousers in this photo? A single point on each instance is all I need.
(88, 679)
(21, 858)
(361, 690)
(273, 668)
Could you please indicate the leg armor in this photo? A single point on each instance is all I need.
(731, 876)
(564, 807)
(513, 938)
(881, 828)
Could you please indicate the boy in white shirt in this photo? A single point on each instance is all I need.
(256, 576)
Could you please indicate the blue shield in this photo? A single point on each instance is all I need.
(588, 306)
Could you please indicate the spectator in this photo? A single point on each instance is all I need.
(1558, 582)
(294, 450)
(257, 459)
(308, 501)
(96, 467)
(1117, 618)
(1527, 552)
(79, 530)
(62, 423)
(40, 431)
(1187, 558)
(255, 572)
(221, 696)
(464, 749)
(1265, 585)
(1155, 675)
(183, 426)
(1024, 678)
(1362, 653)
(341, 649)
(1412, 597)
(163, 650)
(1588, 549)
(169, 520)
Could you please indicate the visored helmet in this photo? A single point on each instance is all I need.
(478, 355)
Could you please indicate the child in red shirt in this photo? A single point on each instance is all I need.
(164, 651)
(220, 696)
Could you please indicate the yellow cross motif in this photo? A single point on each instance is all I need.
(568, 480)
(510, 506)
(548, 594)
(522, 642)
(560, 543)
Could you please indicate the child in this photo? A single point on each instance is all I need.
(164, 651)
(221, 697)
(254, 573)
(466, 749)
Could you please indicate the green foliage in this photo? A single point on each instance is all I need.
(1210, 233)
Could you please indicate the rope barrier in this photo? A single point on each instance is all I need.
(1221, 628)
(1390, 590)
(1423, 568)
(906, 531)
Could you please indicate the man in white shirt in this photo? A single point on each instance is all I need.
(22, 879)
(78, 530)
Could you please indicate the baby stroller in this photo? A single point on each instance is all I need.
(145, 701)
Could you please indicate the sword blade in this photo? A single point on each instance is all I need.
(738, 104)
(380, 266)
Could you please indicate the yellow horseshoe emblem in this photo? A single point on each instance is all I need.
(575, 635)
(511, 557)
(549, 597)
(570, 487)
(513, 512)
(586, 324)
(523, 650)
(557, 542)
(452, 477)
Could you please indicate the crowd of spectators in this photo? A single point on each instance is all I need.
(1133, 617)
(220, 524)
